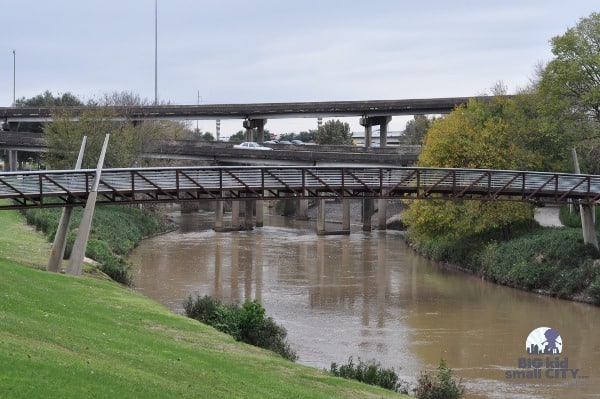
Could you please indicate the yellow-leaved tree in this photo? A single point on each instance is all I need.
(475, 135)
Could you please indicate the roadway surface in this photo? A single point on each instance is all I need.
(372, 108)
(223, 153)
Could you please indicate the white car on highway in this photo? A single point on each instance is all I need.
(251, 145)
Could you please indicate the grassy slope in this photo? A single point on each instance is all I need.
(65, 337)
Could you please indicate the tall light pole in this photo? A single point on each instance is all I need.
(155, 52)
(14, 76)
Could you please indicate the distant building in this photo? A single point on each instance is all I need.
(393, 138)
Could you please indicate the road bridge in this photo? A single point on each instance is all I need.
(256, 111)
(255, 116)
(223, 153)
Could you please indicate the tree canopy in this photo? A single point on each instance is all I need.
(334, 132)
(474, 135)
(128, 140)
(569, 89)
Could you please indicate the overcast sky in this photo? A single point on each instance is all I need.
(236, 51)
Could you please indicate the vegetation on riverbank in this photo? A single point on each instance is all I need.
(72, 337)
(247, 323)
(115, 231)
(549, 260)
(536, 129)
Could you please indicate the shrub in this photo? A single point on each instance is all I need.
(552, 260)
(246, 323)
(115, 231)
(440, 386)
(371, 373)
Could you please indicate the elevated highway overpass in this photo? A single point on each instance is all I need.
(223, 154)
(255, 115)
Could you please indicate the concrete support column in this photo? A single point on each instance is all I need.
(249, 206)
(78, 253)
(57, 252)
(302, 213)
(259, 125)
(288, 207)
(383, 130)
(235, 214)
(321, 216)
(587, 224)
(219, 216)
(587, 212)
(260, 204)
(368, 136)
(346, 215)
(368, 206)
(382, 121)
(382, 214)
(12, 160)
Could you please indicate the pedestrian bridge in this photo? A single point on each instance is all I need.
(67, 188)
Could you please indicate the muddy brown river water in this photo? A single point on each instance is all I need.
(367, 295)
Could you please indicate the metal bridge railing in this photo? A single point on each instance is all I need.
(137, 185)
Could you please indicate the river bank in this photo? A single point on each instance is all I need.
(73, 337)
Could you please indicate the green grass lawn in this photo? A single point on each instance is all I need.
(81, 337)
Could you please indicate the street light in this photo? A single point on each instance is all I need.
(14, 76)
(155, 52)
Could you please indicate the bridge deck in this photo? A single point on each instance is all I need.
(139, 185)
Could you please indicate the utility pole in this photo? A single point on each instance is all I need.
(14, 77)
(155, 52)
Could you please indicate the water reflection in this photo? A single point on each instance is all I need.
(368, 295)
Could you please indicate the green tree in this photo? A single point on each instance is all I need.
(305, 136)
(569, 86)
(128, 142)
(416, 129)
(46, 99)
(240, 136)
(334, 132)
(474, 135)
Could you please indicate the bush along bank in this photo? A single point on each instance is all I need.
(115, 231)
(547, 260)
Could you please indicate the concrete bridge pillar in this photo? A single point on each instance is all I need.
(235, 214)
(288, 207)
(259, 125)
(586, 211)
(219, 216)
(302, 213)
(346, 215)
(368, 208)
(588, 225)
(12, 160)
(321, 229)
(382, 214)
(382, 121)
(249, 206)
(321, 217)
(260, 204)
